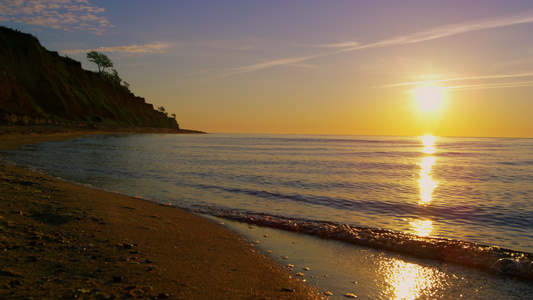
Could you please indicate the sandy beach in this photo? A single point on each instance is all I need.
(61, 240)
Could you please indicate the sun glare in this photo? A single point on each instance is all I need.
(429, 97)
(429, 144)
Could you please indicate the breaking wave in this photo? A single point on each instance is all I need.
(492, 259)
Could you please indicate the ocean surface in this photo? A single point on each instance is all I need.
(371, 191)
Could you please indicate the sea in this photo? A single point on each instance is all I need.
(380, 217)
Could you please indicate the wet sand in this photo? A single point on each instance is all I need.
(60, 240)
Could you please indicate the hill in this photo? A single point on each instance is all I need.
(40, 87)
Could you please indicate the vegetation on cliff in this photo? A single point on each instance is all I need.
(38, 86)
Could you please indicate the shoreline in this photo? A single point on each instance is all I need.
(12, 137)
(64, 240)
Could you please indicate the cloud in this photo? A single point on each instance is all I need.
(348, 44)
(450, 30)
(501, 76)
(466, 86)
(281, 62)
(68, 15)
(149, 48)
(491, 85)
(416, 37)
(472, 86)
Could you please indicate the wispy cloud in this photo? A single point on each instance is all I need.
(68, 15)
(462, 83)
(347, 44)
(491, 85)
(416, 37)
(149, 48)
(449, 30)
(273, 63)
(501, 76)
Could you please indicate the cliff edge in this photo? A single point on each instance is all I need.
(40, 87)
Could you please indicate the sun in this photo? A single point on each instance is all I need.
(429, 97)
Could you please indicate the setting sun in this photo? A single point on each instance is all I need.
(429, 98)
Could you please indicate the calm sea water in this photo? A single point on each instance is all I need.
(467, 189)
(473, 189)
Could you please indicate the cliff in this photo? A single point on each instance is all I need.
(39, 87)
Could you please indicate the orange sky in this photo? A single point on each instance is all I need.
(346, 67)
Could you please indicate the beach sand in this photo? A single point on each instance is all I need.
(61, 240)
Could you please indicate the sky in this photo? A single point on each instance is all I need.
(445, 68)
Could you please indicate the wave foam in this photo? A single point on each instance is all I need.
(491, 259)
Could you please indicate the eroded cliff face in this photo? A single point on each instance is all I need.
(40, 87)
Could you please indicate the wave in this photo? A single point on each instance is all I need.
(487, 258)
(456, 213)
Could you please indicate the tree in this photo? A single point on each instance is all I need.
(100, 59)
(114, 75)
(162, 109)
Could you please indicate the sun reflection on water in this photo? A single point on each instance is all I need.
(429, 144)
(410, 281)
(421, 227)
(427, 185)
(426, 182)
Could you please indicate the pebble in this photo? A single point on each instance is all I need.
(285, 289)
(130, 295)
(15, 282)
(350, 295)
(127, 246)
(307, 269)
(299, 274)
(328, 293)
(255, 242)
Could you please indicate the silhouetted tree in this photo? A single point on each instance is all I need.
(100, 59)
(115, 77)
